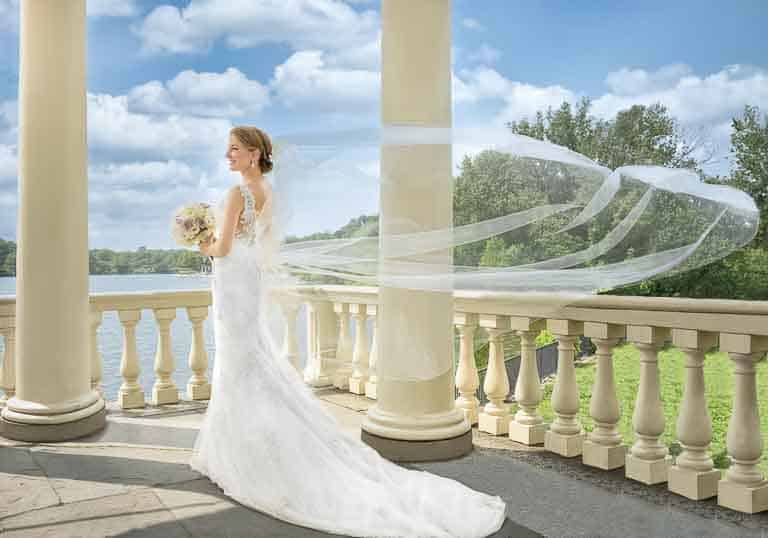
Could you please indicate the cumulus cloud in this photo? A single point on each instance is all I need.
(126, 135)
(484, 55)
(227, 94)
(472, 24)
(9, 14)
(112, 8)
(691, 98)
(301, 24)
(305, 80)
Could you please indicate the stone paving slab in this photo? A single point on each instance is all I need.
(135, 513)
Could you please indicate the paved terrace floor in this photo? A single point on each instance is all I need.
(131, 479)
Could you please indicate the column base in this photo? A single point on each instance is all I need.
(199, 392)
(54, 433)
(340, 379)
(567, 446)
(743, 498)
(603, 457)
(165, 396)
(357, 385)
(131, 400)
(432, 450)
(493, 424)
(527, 434)
(696, 485)
(647, 472)
(370, 390)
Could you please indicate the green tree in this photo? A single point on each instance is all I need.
(749, 143)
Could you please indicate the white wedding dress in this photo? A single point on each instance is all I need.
(270, 444)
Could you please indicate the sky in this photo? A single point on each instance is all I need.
(167, 80)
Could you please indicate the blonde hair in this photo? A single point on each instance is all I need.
(255, 138)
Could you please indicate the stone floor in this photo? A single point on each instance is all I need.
(131, 479)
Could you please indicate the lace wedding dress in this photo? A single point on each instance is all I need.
(268, 442)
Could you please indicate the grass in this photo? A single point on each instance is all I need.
(718, 377)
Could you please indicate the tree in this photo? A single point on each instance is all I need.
(749, 143)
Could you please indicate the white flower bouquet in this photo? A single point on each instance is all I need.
(193, 224)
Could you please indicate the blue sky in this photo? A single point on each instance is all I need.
(166, 80)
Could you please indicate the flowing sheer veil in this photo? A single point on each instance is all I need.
(561, 223)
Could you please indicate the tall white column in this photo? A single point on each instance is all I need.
(412, 419)
(54, 400)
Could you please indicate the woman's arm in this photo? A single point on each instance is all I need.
(221, 246)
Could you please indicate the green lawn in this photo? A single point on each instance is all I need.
(718, 375)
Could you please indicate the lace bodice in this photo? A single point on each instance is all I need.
(251, 223)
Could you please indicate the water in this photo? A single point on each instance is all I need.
(110, 333)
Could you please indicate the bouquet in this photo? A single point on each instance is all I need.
(193, 224)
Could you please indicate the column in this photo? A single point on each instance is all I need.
(54, 400)
(416, 419)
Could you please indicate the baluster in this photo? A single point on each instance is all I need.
(290, 338)
(693, 474)
(8, 370)
(467, 380)
(528, 426)
(130, 394)
(565, 435)
(361, 353)
(343, 348)
(370, 385)
(198, 387)
(164, 391)
(322, 343)
(603, 447)
(96, 359)
(744, 488)
(648, 459)
(495, 416)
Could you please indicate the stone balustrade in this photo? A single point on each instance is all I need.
(335, 358)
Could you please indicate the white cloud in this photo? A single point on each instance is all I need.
(484, 55)
(305, 80)
(301, 24)
(112, 8)
(114, 129)
(690, 98)
(627, 81)
(472, 24)
(9, 14)
(227, 94)
(8, 165)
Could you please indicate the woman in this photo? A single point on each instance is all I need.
(266, 440)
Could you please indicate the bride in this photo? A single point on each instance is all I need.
(265, 439)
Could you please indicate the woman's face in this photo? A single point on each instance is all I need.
(239, 156)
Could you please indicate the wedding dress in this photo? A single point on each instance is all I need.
(270, 444)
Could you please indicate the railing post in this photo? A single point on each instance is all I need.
(290, 339)
(495, 416)
(361, 353)
(198, 387)
(131, 394)
(693, 475)
(467, 379)
(527, 426)
(370, 385)
(95, 358)
(648, 459)
(8, 370)
(744, 488)
(603, 447)
(343, 348)
(164, 391)
(322, 341)
(565, 435)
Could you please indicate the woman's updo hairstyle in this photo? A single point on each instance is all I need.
(255, 138)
